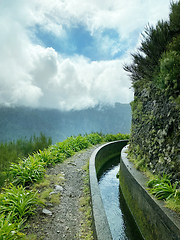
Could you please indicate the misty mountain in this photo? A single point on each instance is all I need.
(17, 122)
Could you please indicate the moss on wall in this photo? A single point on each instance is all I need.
(155, 132)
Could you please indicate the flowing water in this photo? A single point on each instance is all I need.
(120, 220)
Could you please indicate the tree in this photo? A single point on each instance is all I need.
(146, 59)
(175, 18)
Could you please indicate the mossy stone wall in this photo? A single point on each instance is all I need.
(155, 132)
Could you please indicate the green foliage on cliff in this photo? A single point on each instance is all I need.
(157, 60)
(155, 75)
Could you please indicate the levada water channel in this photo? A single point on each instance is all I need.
(120, 220)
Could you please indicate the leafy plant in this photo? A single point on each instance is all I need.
(64, 147)
(12, 151)
(162, 187)
(169, 76)
(175, 17)
(18, 202)
(156, 180)
(9, 230)
(164, 190)
(28, 170)
(83, 142)
(146, 60)
(49, 156)
(71, 145)
(94, 138)
(114, 137)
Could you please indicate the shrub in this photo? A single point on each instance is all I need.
(94, 138)
(82, 142)
(65, 148)
(169, 76)
(71, 145)
(50, 156)
(115, 137)
(120, 136)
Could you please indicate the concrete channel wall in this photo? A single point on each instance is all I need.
(154, 220)
(98, 158)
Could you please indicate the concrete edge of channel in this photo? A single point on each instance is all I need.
(156, 220)
(98, 158)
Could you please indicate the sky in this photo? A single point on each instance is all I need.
(69, 54)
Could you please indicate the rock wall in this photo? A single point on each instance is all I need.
(155, 132)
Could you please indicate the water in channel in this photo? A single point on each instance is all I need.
(120, 220)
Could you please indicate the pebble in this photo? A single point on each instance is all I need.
(71, 163)
(47, 212)
(49, 204)
(58, 188)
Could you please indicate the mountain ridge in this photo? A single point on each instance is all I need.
(18, 122)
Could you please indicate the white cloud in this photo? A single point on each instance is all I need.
(81, 84)
(33, 75)
(125, 16)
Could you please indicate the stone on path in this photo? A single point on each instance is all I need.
(47, 212)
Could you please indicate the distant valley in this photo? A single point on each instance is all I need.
(17, 122)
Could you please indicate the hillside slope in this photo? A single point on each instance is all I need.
(20, 122)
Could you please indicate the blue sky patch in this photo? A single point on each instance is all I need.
(104, 45)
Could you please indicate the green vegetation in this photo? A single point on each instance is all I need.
(13, 151)
(160, 186)
(158, 54)
(16, 205)
(86, 225)
(9, 230)
(155, 76)
(115, 137)
(18, 202)
(27, 171)
(16, 122)
(43, 187)
(163, 189)
(174, 203)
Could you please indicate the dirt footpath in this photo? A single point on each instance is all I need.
(64, 220)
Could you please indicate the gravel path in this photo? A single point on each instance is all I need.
(64, 220)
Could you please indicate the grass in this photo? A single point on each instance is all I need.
(173, 204)
(44, 188)
(85, 207)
